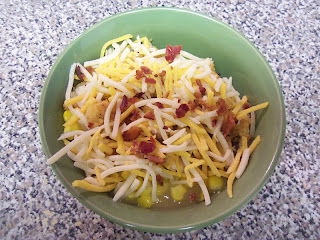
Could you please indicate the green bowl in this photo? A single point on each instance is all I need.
(202, 36)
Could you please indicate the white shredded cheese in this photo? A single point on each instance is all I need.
(72, 144)
(172, 103)
(136, 122)
(108, 113)
(116, 122)
(131, 167)
(243, 163)
(122, 190)
(107, 81)
(70, 82)
(175, 137)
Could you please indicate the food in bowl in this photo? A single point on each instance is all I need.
(157, 127)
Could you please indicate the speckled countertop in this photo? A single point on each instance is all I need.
(34, 205)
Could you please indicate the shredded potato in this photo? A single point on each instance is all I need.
(142, 115)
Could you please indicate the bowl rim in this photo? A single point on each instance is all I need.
(166, 229)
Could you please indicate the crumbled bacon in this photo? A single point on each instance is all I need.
(192, 196)
(134, 115)
(150, 81)
(163, 73)
(147, 147)
(202, 90)
(146, 70)
(133, 100)
(165, 127)
(155, 159)
(202, 104)
(198, 95)
(90, 69)
(159, 105)
(213, 122)
(139, 74)
(246, 105)
(153, 140)
(228, 123)
(138, 95)
(90, 124)
(79, 74)
(134, 148)
(222, 107)
(192, 105)
(182, 110)
(172, 52)
(150, 115)
(159, 179)
(131, 134)
(124, 103)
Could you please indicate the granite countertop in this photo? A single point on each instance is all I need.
(34, 205)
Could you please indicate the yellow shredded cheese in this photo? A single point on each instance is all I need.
(242, 114)
(93, 188)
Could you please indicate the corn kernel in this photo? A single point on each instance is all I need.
(67, 115)
(178, 192)
(215, 183)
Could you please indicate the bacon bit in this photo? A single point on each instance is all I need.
(150, 80)
(182, 110)
(172, 52)
(174, 127)
(152, 140)
(228, 123)
(198, 95)
(131, 134)
(139, 74)
(222, 107)
(162, 74)
(159, 179)
(138, 95)
(146, 147)
(246, 105)
(192, 197)
(202, 90)
(192, 105)
(155, 159)
(134, 148)
(124, 103)
(159, 105)
(134, 115)
(179, 100)
(133, 100)
(90, 69)
(213, 122)
(146, 70)
(203, 104)
(79, 74)
(150, 115)
(156, 75)
(90, 125)
(165, 127)
(199, 83)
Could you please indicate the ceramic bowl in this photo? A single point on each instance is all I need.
(202, 36)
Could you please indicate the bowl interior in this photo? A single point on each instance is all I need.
(202, 36)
